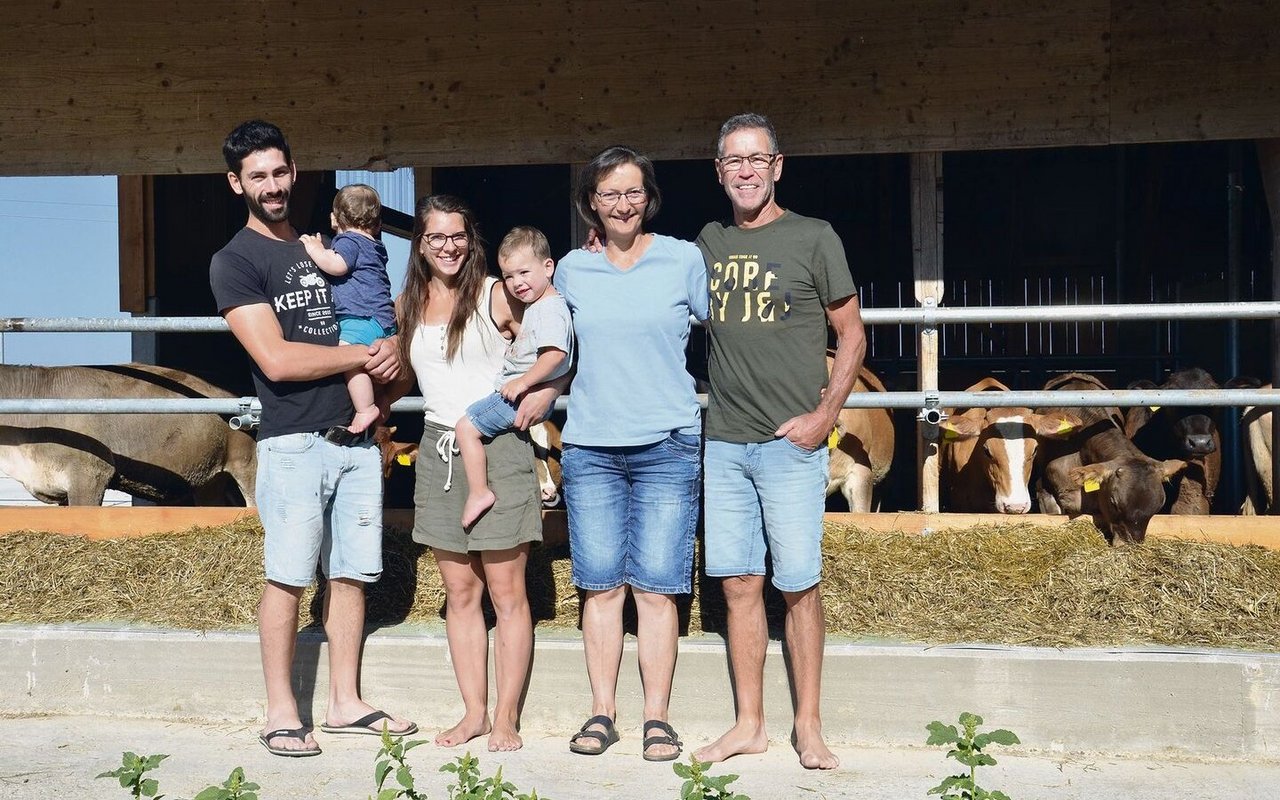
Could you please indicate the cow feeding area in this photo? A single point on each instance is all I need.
(1009, 584)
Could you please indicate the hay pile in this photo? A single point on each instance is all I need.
(1014, 584)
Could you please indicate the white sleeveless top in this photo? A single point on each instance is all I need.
(448, 387)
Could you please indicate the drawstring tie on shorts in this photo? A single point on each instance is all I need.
(447, 448)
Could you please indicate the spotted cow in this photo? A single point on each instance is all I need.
(987, 453)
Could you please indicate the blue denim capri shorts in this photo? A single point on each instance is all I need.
(633, 513)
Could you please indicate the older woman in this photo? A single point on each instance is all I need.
(455, 324)
(631, 460)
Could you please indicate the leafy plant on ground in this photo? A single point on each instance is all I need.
(968, 749)
(235, 787)
(131, 771)
(391, 757)
(698, 785)
(469, 785)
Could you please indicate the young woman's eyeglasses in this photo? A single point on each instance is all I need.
(634, 196)
(436, 241)
(756, 160)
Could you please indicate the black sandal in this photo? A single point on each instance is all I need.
(671, 738)
(607, 738)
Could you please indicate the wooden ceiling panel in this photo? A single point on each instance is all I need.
(137, 87)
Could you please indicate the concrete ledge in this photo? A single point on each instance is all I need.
(1201, 703)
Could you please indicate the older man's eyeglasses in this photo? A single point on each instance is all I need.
(756, 160)
(437, 241)
(634, 196)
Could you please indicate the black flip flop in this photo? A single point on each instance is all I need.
(605, 739)
(288, 733)
(670, 738)
(361, 726)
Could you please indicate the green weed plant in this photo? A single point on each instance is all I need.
(131, 772)
(698, 785)
(968, 747)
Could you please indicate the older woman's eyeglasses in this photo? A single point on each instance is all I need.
(756, 160)
(634, 196)
(437, 241)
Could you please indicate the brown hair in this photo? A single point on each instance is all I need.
(606, 161)
(417, 282)
(357, 206)
(525, 237)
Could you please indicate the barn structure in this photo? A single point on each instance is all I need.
(1086, 152)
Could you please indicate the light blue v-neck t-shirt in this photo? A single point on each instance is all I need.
(632, 327)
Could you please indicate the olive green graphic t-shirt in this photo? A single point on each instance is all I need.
(770, 287)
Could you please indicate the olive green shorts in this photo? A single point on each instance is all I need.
(515, 518)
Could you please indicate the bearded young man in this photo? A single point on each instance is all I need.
(319, 488)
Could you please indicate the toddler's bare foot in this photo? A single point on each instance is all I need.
(363, 419)
(477, 503)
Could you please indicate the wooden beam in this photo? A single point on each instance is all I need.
(926, 262)
(137, 242)
(115, 522)
(120, 89)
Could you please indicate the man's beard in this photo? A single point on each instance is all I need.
(270, 217)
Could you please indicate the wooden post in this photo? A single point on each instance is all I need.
(1269, 165)
(422, 184)
(926, 261)
(577, 225)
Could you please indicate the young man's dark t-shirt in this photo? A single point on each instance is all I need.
(253, 269)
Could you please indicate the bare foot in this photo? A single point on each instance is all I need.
(467, 729)
(742, 738)
(504, 738)
(477, 503)
(813, 751)
(363, 419)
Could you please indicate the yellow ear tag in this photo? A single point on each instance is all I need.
(403, 460)
(833, 439)
(949, 434)
(1155, 408)
(1092, 486)
(1064, 427)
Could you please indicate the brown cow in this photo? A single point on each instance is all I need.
(1186, 432)
(72, 459)
(1099, 471)
(546, 461)
(864, 453)
(987, 453)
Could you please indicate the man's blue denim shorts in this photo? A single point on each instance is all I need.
(766, 496)
(633, 512)
(319, 502)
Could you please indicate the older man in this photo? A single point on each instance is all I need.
(776, 279)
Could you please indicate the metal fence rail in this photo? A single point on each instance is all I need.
(1161, 312)
(912, 400)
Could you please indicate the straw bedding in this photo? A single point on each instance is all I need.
(1015, 584)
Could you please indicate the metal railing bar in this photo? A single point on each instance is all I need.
(911, 400)
(1160, 312)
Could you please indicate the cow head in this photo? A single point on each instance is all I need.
(1005, 450)
(393, 452)
(1126, 493)
(1184, 431)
